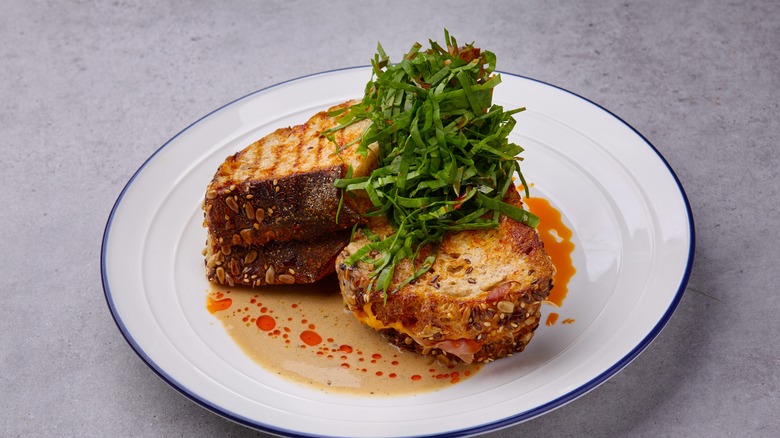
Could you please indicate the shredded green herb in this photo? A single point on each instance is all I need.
(445, 162)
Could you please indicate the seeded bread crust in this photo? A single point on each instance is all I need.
(280, 187)
(299, 206)
(480, 301)
(291, 262)
(271, 209)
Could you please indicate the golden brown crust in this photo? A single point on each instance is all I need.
(480, 301)
(272, 212)
(280, 187)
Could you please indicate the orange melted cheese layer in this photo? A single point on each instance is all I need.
(368, 318)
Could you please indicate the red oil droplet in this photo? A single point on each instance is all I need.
(266, 323)
(345, 365)
(416, 377)
(216, 305)
(346, 348)
(392, 375)
(376, 356)
(311, 338)
(379, 373)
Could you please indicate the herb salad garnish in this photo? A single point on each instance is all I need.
(445, 162)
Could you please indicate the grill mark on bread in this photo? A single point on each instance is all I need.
(324, 152)
(280, 189)
(275, 153)
(283, 155)
(299, 149)
(340, 139)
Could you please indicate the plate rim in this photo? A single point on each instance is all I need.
(478, 429)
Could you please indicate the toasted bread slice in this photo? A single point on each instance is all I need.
(480, 301)
(280, 187)
(294, 261)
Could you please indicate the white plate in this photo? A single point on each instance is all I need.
(633, 232)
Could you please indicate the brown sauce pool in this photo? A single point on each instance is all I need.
(303, 332)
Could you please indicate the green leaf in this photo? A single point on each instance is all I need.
(445, 161)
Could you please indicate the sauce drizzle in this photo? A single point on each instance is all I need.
(218, 303)
(556, 237)
(266, 323)
(311, 338)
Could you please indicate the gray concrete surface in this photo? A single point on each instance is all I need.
(89, 89)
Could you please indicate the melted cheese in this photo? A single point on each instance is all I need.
(463, 348)
(368, 318)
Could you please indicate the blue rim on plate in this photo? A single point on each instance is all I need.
(479, 429)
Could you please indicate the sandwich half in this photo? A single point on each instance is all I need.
(271, 211)
(480, 301)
